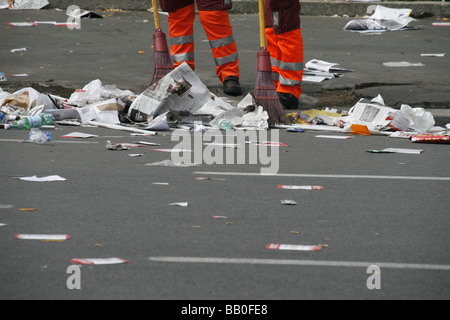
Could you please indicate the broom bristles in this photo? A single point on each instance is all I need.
(162, 66)
(161, 58)
(265, 92)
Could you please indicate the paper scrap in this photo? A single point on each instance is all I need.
(437, 55)
(179, 204)
(397, 150)
(43, 179)
(99, 261)
(441, 24)
(47, 237)
(286, 187)
(219, 217)
(80, 135)
(18, 50)
(403, 64)
(276, 246)
(3, 224)
(334, 137)
(6, 206)
(288, 202)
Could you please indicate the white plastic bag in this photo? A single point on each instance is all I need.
(422, 120)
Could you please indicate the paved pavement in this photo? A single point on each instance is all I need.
(388, 210)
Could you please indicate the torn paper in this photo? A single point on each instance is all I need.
(42, 179)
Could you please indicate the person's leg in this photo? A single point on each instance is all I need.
(218, 29)
(181, 33)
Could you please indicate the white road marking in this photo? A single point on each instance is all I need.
(309, 263)
(328, 176)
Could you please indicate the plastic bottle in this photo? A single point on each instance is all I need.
(31, 122)
(39, 137)
(225, 124)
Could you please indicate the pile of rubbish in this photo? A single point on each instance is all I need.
(374, 117)
(181, 100)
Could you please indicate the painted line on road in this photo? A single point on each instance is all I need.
(306, 263)
(328, 176)
(53, 141)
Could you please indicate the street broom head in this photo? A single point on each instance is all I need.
(265, 92)
(161, 57)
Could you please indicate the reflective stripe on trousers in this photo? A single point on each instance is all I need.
(286, 52)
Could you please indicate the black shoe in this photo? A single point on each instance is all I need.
(289, 101)
(232, 87)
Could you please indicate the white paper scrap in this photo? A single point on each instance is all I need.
(334, 137)
(6, 206)
(80, 135)
(3, 224)
(179, 204)
(437, 55)
(50, 237)
(43, 179)
(403, 64)
(405, 151)
(99, 261)
(276, 246)
(285, 187)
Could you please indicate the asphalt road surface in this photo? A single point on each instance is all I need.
(384, 210)
(388, 210)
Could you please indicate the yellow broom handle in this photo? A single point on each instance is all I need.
(262, 24)
(156, 14)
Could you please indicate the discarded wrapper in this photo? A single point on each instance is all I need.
(431, 138)
(276, 246)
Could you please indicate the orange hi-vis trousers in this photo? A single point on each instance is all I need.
(286, 55)
(220, 35)
(285, 44)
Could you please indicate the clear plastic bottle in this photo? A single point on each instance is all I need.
(225, 124)
(31, 122)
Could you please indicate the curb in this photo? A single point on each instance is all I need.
(420, 9)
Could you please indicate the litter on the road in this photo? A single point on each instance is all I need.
(23, 4)
(276, 246)
(396, 150)
(116, 147)
(287, 187)
(334, 137)
(383, 19)
(54, 178)
(437, 55)
(403, 64)
(6, 206)
(179, 204)
(99, 261)
(80, 135)
(3, 224)
(431, 138)
(288, 202)
(45, 237)
(318, 70)
(170, 163)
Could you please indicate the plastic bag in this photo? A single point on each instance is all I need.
(423, 120)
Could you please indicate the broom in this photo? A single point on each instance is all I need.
(265, 92)
(161, 57)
